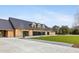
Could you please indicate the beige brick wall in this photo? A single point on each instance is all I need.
(10, 33)
(18, 33)
(30, 33)
(52, 33)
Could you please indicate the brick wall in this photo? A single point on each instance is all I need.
(10, 33)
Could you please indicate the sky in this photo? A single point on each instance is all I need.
(46, 14)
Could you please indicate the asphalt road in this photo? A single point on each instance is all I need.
(15, 45)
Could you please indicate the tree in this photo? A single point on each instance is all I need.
(75, 31)
(64, 30)
(56, 29)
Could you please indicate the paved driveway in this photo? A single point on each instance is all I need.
(13, 45)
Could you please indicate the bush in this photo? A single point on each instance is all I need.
(75, 31)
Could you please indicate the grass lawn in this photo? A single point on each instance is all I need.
(65, 39)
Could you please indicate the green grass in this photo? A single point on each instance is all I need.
(65, 39)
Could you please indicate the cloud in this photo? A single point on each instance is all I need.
(52, 18)
(60, 16)
(49, 18)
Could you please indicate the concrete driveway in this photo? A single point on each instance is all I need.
(15, 45)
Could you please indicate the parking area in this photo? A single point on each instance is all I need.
(15, 45)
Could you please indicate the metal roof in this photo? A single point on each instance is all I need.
(22, 24)
(14, 23)
(5, 25)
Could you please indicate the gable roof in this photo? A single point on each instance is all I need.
(19, 24)
(14, 23)
(23, 24)
(5, 25)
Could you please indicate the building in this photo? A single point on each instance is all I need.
(20, 28)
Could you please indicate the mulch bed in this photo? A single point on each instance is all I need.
(75, 45)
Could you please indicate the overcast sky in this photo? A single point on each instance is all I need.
(47, 14)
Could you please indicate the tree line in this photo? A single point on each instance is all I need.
(65, 30)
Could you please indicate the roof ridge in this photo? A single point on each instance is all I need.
(20, 19)
(3, 19)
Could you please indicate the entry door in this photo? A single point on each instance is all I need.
(47, 33)
(25, 33)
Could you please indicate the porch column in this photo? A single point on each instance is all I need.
(45, 32)
(30, 32)
(18, 33)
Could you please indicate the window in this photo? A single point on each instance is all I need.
(38, 33)
(43, 26)
(33, 25)
(39, 25)
(25, 33)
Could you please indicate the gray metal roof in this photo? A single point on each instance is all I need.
(20, 24)
(23, 24)
(5, 25)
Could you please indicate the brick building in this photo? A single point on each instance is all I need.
(20, 28)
